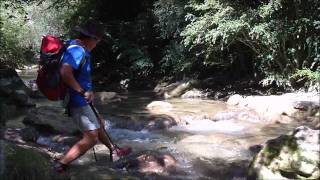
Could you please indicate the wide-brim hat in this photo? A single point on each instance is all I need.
(92, 29)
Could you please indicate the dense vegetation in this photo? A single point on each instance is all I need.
(273, 41)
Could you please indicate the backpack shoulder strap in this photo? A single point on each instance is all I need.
(82, 62)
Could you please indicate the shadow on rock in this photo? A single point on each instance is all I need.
(149, 163)
(25, 163)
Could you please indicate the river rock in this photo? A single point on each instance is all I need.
(194, 93)
(105, 97)
(22, 98)
(220, 95)
(245, 115)
(159, 106)
(11, 86)
(234, 99)
(292, 156)
(21, 163)
(280, 108)
(149, 162)
(50, 118)
(6, 110)
(175, 89)
(29, 134)
(161, 122)
(10, 81)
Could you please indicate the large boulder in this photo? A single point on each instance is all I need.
(292, 156)
(51, 118)
(22, 163)
(283, 108)
(10, 81)
(11, 86)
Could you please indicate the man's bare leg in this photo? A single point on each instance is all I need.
(88, 140)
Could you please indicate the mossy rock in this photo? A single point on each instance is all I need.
(292, 156)
(25, 164)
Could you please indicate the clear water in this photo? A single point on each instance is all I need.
(202, 147)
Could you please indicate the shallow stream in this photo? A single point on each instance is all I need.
(204, 148)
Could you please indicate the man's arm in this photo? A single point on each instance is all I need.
(67, 76)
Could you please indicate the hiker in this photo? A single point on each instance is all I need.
(81, 96)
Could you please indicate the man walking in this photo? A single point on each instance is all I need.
(76, 73)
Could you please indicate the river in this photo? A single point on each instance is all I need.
(204, 148)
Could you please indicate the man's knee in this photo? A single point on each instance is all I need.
(92, 136)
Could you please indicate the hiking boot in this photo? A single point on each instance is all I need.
(59, 167)
(118, 152)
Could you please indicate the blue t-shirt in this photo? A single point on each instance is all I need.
(73, 56)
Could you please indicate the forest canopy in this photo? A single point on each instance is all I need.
(174, 39)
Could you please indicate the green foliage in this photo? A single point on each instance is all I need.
(283, 36)
(174, 62)
(170, 17)
(308, 74)
(23, 23)
(11, 29)
(273, 39)
(290, 34)
(133, 57)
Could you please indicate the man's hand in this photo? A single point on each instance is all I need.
(88, 95)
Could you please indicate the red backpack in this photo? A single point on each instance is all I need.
(49, 79)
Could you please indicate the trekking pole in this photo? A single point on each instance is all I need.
(120, 151)
(96, 114)
(104, 130)
(94, 154)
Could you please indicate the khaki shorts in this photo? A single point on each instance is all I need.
(85, 118)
